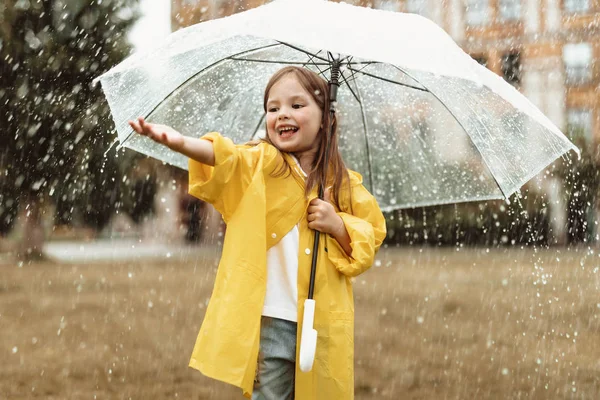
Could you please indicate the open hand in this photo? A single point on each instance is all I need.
(162, 134)
(323, 217)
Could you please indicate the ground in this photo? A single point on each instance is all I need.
(430, 324)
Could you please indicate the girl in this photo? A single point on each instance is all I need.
(266, 192)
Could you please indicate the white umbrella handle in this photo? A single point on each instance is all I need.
(308, 340)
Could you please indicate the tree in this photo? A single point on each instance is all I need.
(54, 122)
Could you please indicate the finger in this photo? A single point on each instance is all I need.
(146, 126)
(136, 127)
(317, 202)
(312, 209)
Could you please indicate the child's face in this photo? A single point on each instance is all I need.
(293, 117)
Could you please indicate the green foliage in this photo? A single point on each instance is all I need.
(491, 223)
(54, 121)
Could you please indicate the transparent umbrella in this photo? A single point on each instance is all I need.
(422, 121)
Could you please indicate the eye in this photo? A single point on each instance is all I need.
(272, 109)
(297, 106)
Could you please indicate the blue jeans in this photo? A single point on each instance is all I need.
(275, 374)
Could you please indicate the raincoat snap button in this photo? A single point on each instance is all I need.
(307, 251)
(273, 235)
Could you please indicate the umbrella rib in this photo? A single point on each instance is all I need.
(310, 60)
(460, 124)
(360, 70)
(303, 63)
(260, 121)
(323, 71)
(423, 89)
(367, 63)
(350, 87)
(271, 61)
(353, 76)
(366, 131)
(304, 51)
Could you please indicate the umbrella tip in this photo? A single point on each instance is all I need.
(95, 81)
(111, 146)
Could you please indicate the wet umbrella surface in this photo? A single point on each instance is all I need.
(420, 120)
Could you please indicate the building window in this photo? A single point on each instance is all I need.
(511, 67)
(417, 7)
(387, 5)
(576, 6)
(580, 125)
(510, 10)
(578, 63)
(477, 12)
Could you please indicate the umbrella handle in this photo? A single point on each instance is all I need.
(308, 340)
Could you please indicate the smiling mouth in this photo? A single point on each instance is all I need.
(287, 131)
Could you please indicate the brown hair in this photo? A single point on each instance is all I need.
(337, 173)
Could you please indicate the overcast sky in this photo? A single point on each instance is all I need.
(154, 24)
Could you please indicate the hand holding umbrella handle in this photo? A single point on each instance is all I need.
(308, 340)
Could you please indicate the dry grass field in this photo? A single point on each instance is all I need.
(430, 324)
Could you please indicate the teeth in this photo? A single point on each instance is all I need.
(287, 128)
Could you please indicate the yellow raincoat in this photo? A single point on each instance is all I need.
(259, 210)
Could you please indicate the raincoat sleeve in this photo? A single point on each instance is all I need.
(224, 185)
(366, 228)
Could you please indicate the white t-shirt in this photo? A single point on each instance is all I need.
(281, 299)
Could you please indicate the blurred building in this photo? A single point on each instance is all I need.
(546, 48)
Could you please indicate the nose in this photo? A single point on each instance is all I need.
(283, 113)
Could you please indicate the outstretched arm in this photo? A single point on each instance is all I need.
(197, 149)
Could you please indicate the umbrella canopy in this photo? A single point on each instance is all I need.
(422, 121)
